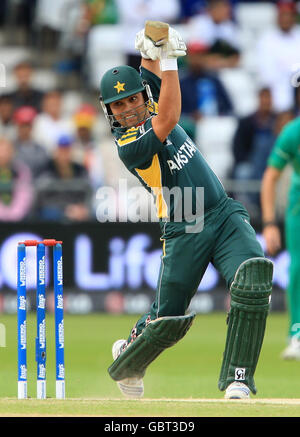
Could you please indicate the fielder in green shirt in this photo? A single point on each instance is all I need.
(286, 151)
(143, 111)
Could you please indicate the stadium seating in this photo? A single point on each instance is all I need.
(104, 51)
(241, 89)
(214, 139)
(253, 19)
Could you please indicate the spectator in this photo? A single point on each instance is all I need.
(3, 11)
(191, 8)
(252, 144)
(282, 118)
(21, 16)
(73, 41)
(50, 123)
(65, 188)
(203, 94)
(216, 29)
(16, 191)
(27, 150)
(51, 21)
(86, 151)
(25, 94)
(254, 136)
(132, 19)
(277, 53)
(7, 127)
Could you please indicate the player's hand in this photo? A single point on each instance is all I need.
(271, 234)
(146, 46)
(173, 48)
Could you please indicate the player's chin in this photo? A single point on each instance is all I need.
(132, 124)
(132, 121)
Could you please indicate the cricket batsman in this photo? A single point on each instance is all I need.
(285, 151)
(143, 111)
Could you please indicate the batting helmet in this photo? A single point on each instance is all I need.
(119, 83)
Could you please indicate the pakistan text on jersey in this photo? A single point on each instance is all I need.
(186, 152)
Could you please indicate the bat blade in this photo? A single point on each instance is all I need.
(157, 31)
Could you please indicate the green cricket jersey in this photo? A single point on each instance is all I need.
(161, 167)
(287, 151)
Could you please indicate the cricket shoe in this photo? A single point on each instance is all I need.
(237, 390)
(292, 351)
(130, 387)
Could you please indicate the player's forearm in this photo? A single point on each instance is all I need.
(268, 195)
(169, 103)
(152, 66)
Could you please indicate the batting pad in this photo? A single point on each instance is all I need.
(158, 335)
(250, 296)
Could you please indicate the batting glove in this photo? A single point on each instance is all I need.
(174, 48)
(146, 47)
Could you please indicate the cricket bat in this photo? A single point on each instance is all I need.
(157, 31)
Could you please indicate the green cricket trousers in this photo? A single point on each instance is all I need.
(226, 240)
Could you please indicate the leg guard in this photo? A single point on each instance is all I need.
(154, 339)
(250, 296)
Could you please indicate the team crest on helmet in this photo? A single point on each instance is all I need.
(120, 87)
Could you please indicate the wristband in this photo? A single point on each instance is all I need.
(168, 64)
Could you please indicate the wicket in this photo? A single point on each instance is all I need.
(41, 318)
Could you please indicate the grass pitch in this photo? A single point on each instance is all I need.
(182, 382)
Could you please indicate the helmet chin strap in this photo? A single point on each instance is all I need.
(120, 125)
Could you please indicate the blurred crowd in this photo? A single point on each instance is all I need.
(50, 164)
(55, 156)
